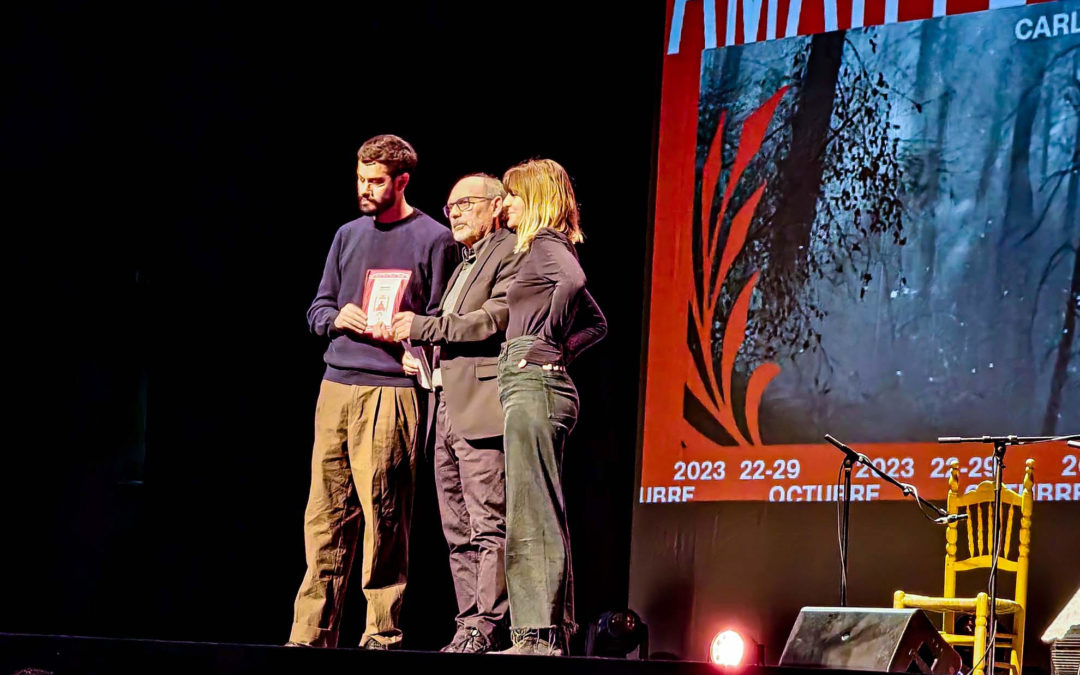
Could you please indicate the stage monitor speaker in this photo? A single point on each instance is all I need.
(866, 638)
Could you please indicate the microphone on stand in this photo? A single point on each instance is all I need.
(854, 456)
(838, 444)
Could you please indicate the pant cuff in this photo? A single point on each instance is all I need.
(314, 636)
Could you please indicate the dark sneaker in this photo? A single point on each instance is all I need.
(536, 642)
(475, 643)
(455, 645)
(469, 641)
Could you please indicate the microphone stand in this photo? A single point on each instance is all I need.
(851, 457)
(1000, 443)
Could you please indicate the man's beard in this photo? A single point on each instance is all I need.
(375, 208)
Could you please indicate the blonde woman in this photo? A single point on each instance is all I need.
(552, 320)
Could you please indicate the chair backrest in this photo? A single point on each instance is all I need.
(974, 552)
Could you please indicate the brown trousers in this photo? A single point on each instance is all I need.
(363, 469)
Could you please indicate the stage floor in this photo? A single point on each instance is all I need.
(71, 655)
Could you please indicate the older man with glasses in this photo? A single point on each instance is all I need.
(468, 456)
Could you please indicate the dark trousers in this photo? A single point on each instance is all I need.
(469, 480)
(541, 408)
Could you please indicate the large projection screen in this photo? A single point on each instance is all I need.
(867, 225)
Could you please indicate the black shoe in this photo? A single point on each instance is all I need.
(475, 643)
(455, 644)
(469, 641)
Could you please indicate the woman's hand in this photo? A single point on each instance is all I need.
(547, 366)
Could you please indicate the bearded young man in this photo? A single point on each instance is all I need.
(363, 466)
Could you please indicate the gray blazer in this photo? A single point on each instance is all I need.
(470, 337)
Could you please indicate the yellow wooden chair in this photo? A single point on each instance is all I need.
(979, 506)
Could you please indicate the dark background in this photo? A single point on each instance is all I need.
(174, 175)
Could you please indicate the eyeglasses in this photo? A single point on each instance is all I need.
(464, 204)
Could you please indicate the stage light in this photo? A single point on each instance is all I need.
(616, 634)
(727, 648)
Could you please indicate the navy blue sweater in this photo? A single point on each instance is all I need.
(416, 243)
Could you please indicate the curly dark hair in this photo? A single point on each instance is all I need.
(393, 151)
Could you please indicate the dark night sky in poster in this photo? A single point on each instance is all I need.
(918, 240)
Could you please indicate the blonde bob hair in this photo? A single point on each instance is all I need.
(545, 188)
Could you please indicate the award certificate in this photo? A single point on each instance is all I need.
(383, 291)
